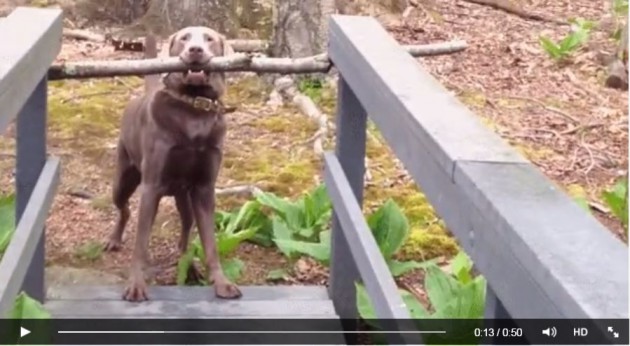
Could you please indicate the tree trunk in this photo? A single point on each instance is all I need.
(618, 67)
(167, 16)
(300, 27)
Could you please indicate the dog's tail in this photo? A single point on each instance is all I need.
(150, 52)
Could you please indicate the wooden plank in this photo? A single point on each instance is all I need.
(379, 283)
(27, 234)
(351, 132)
(400, 96)
(572, 262)
(190, 309)
(31, 39)
(183, 293)
(31, 157)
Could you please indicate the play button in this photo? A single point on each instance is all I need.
(24, 332)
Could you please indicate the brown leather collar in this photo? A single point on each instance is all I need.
(199, 102)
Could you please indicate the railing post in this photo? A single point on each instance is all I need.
(31, 157)
(494, 311)
(350, 150)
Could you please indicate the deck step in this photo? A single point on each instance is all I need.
(191, 302)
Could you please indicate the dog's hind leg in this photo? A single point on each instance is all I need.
(126, 182)
(184, 208)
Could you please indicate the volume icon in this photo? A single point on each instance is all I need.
(552, 332)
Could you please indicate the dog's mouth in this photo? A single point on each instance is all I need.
(196, 76)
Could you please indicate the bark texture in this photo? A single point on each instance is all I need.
(300, 27)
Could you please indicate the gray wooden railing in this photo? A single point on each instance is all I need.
(30, 39)
(543, 256)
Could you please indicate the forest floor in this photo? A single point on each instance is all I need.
(560, 117)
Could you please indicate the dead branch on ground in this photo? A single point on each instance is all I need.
(236, 62)
(511, 8)
(286, 87)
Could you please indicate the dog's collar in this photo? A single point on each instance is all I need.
(198, 102)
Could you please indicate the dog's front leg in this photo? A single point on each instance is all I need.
(203, 207)
(149, 201)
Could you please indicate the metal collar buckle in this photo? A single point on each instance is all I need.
(203, 103)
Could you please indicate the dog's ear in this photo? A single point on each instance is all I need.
(227, 47)
(166, 48)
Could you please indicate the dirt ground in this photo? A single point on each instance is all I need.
(561, 117)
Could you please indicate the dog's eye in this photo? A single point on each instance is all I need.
(209, 39)
(185, 37)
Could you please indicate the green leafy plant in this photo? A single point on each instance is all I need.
(390, 228)
(620, 7)
(617, 200)
(458, 295)
(570, 43)
(231, 230)
(25, 307)
(305, 217)
(7, 221)
(311, 87)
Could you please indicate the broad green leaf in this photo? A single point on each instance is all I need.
(319, 251)
(282, 233)
(461, 267)
(222, 219)
(244, 217)
(232, 268)
(366, 309)
(441, 287)
(226, 243)
(283, 208)
(25, 307)
(390, 228)
(317, 206)
(550, 47)
(276, 274)
(183, 264)
(398, 268)
(468, 303)
(617, 200)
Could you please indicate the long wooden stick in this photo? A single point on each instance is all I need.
(236, 62)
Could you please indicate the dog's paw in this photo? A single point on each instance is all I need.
(227, 290)
(112, 245)
(136, 292)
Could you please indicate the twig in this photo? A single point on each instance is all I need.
(237, 190)
(549, 108)
(236, 62)
(510, 8)
(581, 128)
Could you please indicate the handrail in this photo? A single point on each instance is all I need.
(540, 252)
(31, 39)
(18, 255)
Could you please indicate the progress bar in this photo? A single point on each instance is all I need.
(246, 332)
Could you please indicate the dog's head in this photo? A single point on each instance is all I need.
(196, 45)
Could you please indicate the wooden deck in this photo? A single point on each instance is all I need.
(103, 302)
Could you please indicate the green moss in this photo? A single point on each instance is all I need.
(428, 242)
(248, 90)
(87, 113)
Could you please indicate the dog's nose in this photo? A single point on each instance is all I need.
(196, 50)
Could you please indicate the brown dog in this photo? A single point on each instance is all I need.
(170, 144)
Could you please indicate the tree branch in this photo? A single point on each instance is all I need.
(236, 62)
(138, 45)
